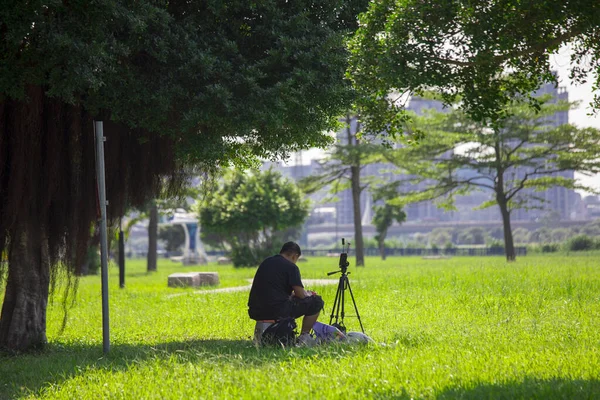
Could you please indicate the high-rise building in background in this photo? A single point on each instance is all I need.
(560, 203)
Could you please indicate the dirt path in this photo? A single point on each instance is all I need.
(307, 282)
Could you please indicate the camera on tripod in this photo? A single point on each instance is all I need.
(343, 259)
(338, 312)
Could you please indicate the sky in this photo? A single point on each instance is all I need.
(580, 117)
(582, 93)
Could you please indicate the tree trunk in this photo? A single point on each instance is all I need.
(23, 318)
(355, 188)
(382, 249)
(509, 246)
(358, 236)
(381, 243)
(152, 236)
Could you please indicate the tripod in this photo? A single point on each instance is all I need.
(337, 310)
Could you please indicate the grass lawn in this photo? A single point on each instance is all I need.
(468, 328)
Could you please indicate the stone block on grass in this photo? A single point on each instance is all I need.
(223, 260)
(192, 279)
(208, 278)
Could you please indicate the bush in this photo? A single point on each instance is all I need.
(496, 247)
(580, 243)
(550, 247)
(245, 256)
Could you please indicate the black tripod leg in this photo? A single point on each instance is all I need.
(355, 308)
(343, 283)
(340, 303)
(335, 304)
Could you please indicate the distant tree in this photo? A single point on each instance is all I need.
(496, 233)
(512, 159)
(173, 236)
(341, 170)
(521, 235)
(474, 235)
(385, 215)
(581, 243)
(440, 236)
(592, 228)
(253, 214)
(541, 235)
(560, 235)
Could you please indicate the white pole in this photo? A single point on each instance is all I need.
(99, 129)
(186, 246)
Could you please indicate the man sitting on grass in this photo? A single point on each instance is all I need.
(277, 292)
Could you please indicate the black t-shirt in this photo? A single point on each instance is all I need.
(272, 287)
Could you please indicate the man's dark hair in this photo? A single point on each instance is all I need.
(290, 248)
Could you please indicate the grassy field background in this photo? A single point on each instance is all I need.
(468, 328)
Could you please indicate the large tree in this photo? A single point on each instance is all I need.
(252, 213)
(176, 82)
(513, 159)
(342, 170)
(486, 52)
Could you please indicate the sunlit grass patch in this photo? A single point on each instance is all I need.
(454, 328)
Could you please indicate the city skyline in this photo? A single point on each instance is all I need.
(565, 203)
(582, 93)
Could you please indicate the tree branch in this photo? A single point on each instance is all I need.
(538, 48)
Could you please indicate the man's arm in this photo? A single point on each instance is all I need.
(299, 292)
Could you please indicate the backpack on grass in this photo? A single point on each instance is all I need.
(280, 333)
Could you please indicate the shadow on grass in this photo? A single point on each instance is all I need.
(27, 374)
(529, 388)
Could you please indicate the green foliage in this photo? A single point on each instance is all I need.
(173, 236)
(592, 228)
(581, 243)
(92, 260)
(253, 213)
(550, 247)
(385, 215)
(271, 73)
(474, 235)
(496, 246)
(483, 53)
(335, 170)
(521, 235)
(511, 159)
(541, 235)
(521, 152)
(440, 236)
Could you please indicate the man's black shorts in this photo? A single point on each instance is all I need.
(309, 305)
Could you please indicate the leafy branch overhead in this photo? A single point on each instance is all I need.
(487, 52)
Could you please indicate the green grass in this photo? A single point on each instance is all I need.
(468, 328)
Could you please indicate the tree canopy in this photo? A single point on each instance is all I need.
(514, 159)
(204, 72)
(385, 215)
(176, 83)
(252, 213)
(486, 52)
